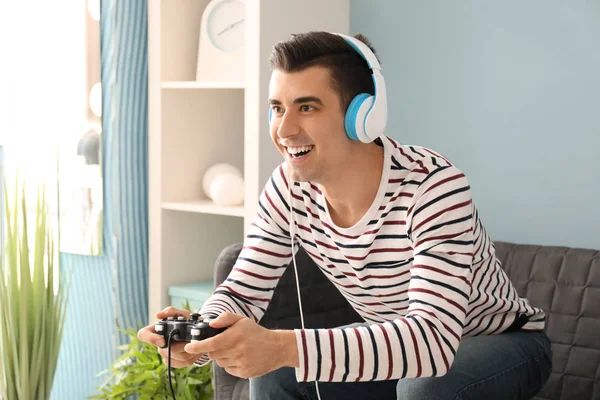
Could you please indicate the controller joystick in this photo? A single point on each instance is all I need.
(188, 330)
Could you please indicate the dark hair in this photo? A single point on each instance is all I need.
(350, 73)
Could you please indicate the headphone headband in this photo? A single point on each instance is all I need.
(363, 50)
(366, 116)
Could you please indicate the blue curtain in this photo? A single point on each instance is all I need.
(110, 291)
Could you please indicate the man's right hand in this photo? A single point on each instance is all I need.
(179, 357)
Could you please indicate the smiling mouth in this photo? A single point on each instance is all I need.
(298, 152)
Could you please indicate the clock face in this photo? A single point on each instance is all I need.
(226, 25)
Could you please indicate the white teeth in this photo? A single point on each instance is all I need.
(296, 150)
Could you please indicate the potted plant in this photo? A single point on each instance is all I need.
(140, 371)
(33, 298)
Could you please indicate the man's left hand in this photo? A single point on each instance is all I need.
(246, 349)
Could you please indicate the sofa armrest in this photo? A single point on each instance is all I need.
(225, 384)
(225, 262)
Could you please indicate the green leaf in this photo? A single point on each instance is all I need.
(31, 310)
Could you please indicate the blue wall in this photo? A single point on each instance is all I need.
(111, 291)
(510, 92)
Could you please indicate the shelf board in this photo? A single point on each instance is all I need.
(201, 85)
(204, 207)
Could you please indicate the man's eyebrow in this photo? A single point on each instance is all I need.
(299, 100)
(308, 99)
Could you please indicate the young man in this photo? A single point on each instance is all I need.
(394, 227)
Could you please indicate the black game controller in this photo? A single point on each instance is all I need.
(188, 330)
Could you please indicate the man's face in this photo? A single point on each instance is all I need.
(307, 124)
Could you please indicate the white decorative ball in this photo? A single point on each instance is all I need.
(214, 171)
(227, 190)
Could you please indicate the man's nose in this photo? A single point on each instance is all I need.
(287, 126)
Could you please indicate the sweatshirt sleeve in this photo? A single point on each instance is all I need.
(423, 342)
(265, 255)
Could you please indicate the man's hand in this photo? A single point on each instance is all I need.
(179, 357)
(246, 349)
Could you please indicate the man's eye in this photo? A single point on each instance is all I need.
(276, 109)
(306, 108)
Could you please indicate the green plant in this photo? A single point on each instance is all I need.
(141, 371)
(33, 299)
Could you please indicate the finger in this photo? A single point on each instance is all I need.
(149, 335)
(171, 312)
(176, 353)
(203, 346)
(219, 354)
(178, 363)
(177, 356)
(177, 347)
(206, 346)
(226, 320)
(226, 363)
(235, 371)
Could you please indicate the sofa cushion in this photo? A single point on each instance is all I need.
(328, 310)
(565, 283)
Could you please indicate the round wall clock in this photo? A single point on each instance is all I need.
(221, 43)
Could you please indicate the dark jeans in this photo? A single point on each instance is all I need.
(510, 366)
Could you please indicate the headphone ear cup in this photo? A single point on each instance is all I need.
(354, 122)
(270, 115)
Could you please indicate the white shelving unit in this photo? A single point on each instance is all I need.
(204, 206)
(194, 125)
(202, 85)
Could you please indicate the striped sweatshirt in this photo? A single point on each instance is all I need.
(419, 268)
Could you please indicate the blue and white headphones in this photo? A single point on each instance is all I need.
(366, 116)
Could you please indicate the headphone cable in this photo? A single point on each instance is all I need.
(171, 334)
(290, 183)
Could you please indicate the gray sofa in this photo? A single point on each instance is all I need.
(565, 282)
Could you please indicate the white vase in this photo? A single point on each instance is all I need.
(217, 170)
(227, 190)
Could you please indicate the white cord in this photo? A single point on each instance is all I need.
(290, 183)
